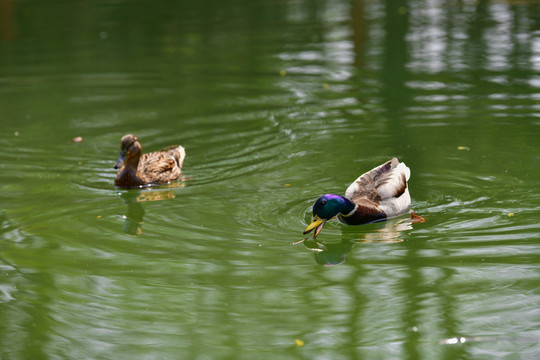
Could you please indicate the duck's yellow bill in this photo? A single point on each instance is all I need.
(317, 223)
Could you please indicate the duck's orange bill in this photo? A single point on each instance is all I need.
(317, 223)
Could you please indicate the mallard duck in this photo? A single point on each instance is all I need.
(136, 169)
(376, 195)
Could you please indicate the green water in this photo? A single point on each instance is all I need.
(276, 103)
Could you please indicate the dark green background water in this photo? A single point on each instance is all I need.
(276, 103)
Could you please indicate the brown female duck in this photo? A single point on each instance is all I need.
(137, 170)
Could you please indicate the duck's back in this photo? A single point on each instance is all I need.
(386, 182)
(162, 166)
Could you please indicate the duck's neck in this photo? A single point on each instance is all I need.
(128, 175)
(132, 163)
(347, 206)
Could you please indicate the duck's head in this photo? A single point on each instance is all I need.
(131, 149)
(325, 208)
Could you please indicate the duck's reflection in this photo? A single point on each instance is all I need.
(134, 215)
(331, 254)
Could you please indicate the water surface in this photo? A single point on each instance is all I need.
(276, 104)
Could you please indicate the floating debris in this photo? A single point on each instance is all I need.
(77, 139)
(510, 214)
(282, 72)
(402, 10)
(299, 342)
(463, 148)
(299, 241)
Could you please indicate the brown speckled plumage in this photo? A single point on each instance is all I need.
(137, 169)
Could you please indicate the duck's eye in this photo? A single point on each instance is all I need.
(323, 202)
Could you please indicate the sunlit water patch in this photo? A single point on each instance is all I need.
(270, 121)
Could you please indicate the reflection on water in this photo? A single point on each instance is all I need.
(271, 118)
(7, 21)
(330, 254)
(463, 340)
(134, 215)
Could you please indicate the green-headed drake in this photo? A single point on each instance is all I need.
(376, 195)
(138, 169)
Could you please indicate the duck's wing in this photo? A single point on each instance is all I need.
(160, 166)
(384, 182)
